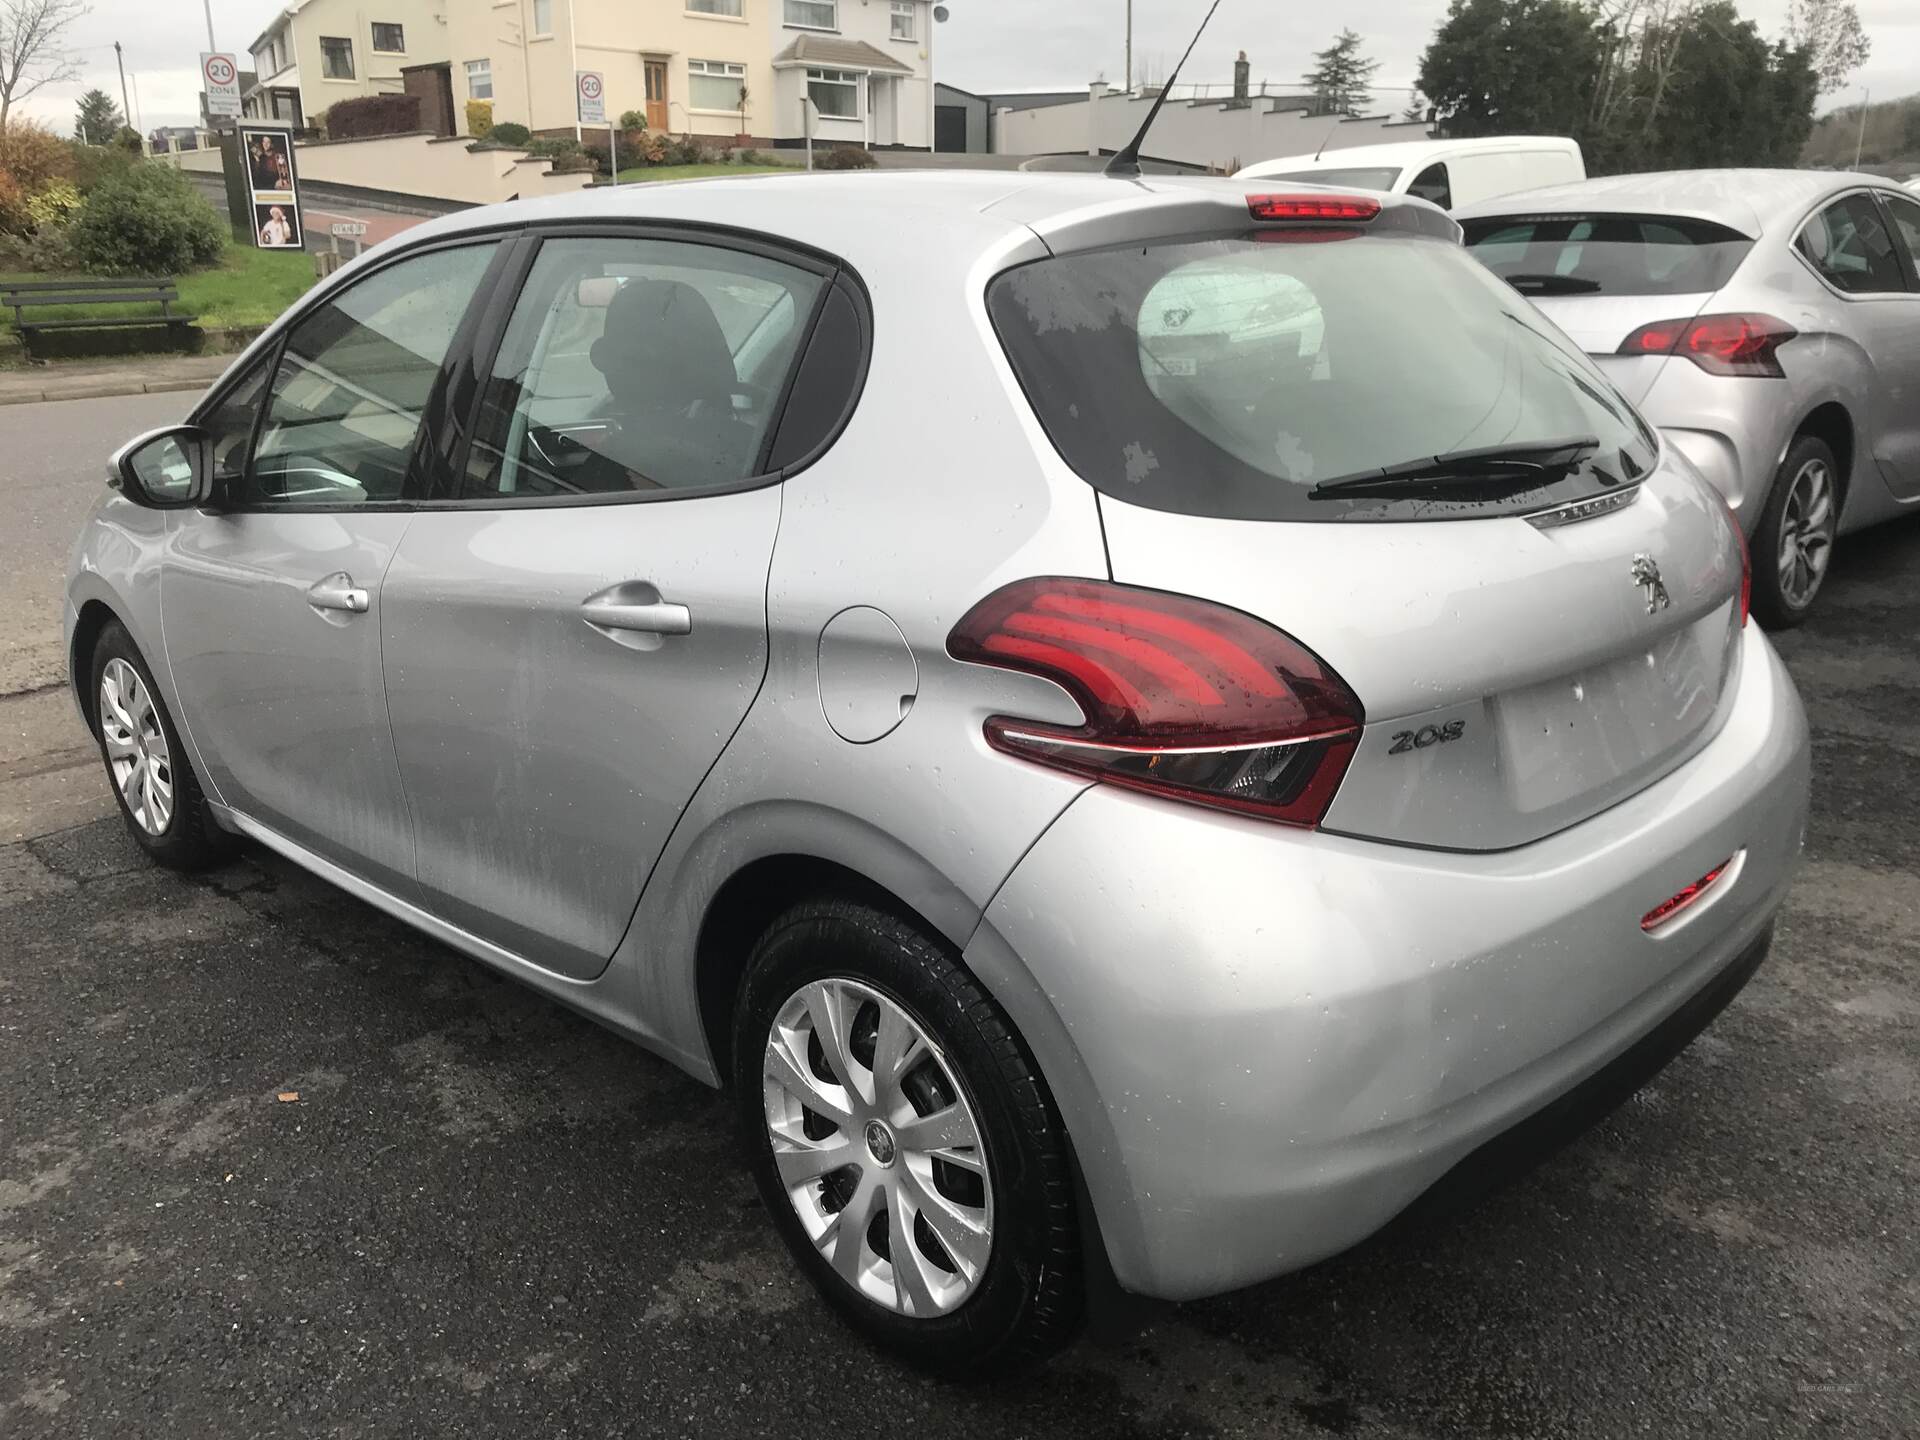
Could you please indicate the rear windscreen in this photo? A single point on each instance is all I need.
(1229, 377)
(1607, 254)
(1368, 177)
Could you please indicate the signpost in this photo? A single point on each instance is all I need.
(222, 78)
(590, 89)
(352, 230)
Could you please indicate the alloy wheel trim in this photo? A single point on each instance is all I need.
(1806, 533)
(880, 1140)
(138, 757)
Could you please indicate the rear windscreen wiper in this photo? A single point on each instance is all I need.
(1500, 467)
(1532, 284)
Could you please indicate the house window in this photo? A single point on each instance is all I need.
(903, 13)
(389, 39)
(714, 7)
(336, 58)
(543, 17)
(835, 93)
(814, 14)
(715, 84)
(479, 79)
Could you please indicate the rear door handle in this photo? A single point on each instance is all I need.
(338, 592)
(658, 617)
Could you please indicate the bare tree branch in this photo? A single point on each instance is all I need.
(33, 52)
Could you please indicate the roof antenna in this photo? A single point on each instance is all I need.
(1126, 160)
(1326, 137)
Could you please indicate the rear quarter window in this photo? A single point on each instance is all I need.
(1607, 254)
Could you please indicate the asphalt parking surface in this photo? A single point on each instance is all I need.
(483, 1216)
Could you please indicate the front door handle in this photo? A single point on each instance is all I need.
(658, 617)
(338, 592)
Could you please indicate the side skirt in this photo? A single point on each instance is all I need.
(606, 1000)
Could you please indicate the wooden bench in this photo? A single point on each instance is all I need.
(48, 294)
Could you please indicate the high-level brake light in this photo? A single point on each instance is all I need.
(1360, 208)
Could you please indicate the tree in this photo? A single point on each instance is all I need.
(1339, 81)
(1417, 107)
(96, 118)
(1913, 132)
(1830, 34)
(1513, 67)
(1641, 84)
(32, 47)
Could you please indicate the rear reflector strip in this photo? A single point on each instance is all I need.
(1671, 909)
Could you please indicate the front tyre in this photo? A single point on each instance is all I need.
(1793, 542)
(904, 1143)
(147, 766)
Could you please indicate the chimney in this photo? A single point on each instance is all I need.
(1241, 71)
(1096, 92)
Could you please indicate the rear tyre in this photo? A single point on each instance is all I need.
(153, 782)
(904, 1143)
(1793, 542)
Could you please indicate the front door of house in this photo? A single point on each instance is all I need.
(657, 96)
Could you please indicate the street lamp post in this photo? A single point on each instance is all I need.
(1129, 47)
(1866, 99)
(126, 106)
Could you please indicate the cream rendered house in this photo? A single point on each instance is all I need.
(683, 63)
(866, 65)
(318, 51)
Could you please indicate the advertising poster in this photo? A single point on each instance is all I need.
(266, 157)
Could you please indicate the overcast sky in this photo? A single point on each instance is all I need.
(986, 45)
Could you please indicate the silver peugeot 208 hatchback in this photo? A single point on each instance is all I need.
(1141, 726)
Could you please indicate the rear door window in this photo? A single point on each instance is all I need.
(638, 365)
(1849, 243)
(1229, 377)
(1607, 254)
(1906, 224)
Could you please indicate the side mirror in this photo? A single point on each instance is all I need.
(163, 469)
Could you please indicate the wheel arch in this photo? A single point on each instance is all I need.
(93, 618)
(745, 906)
(1832, 423)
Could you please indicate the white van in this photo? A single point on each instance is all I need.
(1450, 173)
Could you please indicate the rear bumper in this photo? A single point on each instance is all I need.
(1266, 1044)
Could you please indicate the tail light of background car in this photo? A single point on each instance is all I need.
(1182, 698)
(1746, 566)
(1718, 344)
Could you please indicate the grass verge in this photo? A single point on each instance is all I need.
(248, 287)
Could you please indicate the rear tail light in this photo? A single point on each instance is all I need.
(1671, 908)
(1182, 698)
(1718, 344)
(1313, 207)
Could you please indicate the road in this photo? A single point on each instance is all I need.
(485, 1217)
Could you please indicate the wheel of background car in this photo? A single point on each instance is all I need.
(904, 1143)
(1793, 543)
(153, 782)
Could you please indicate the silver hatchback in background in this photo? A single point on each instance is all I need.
(1767, 320)
(1127, 763)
